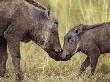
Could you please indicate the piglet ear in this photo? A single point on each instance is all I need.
(77, 31)
(80, 29)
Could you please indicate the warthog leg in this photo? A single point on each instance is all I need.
(13, 41)
(95, 53)
(85, 64)
(3, 56)
(14, 49)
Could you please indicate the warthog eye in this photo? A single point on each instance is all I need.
(56, 22)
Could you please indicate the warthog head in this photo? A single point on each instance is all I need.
(72, 42)
(46, 34)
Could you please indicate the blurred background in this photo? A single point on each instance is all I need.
(39, 67)
(73, 12)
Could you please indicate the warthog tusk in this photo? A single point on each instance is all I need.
(76, 48)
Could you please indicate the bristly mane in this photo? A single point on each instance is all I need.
(97, 25)
(89, 27)
(36, 4)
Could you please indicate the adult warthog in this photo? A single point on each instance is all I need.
(92, 40)
(21, 21)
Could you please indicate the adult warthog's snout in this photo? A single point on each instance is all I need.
(56, 55)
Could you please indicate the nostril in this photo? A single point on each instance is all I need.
(58, 50)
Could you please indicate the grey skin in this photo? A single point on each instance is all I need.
(21, 21)
(92, 40)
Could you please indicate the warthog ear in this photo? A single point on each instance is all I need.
(80, 29)
(47, 12)
(78, 32)
(49, 9)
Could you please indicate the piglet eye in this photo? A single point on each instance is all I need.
(69, 39)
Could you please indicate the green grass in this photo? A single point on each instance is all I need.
(39, 67)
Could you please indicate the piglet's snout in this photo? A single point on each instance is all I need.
(64, 56)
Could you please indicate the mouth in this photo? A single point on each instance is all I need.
(66, 57)
(54, 55)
